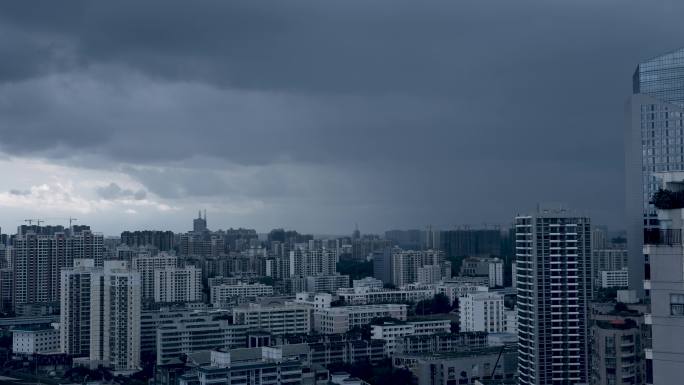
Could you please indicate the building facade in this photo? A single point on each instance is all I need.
(256, 366)
(614, 278)
(365, 296)
(39, 258)
(368, 282)
(75, 308)
(393, 332)
(429, 344)
(482, 312)
(653, 145)
(326, 283)
(617, 347)
(553, 262)
(405, 264)
(465, 367)
(429, 274)
(454, 289)
(275, 319)
(194, 331)
(115, 317)
(608, 260)
(327, 349)
(305, 262)
(342, 319)
(32, 341)
(496, 273)
(225, 293)
(665, 283)
(178, 284)
(146, 266)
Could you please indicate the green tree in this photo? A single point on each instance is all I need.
(355, 269)
(439, 304)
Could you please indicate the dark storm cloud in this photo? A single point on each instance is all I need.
(430, 110)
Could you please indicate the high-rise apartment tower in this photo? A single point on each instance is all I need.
(553, 263)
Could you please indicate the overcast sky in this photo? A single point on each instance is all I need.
(315, 115)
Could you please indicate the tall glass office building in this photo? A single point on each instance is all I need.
(654, 144)
(662, 77)
(654, 150)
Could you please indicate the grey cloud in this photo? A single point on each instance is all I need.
(19, 192)
(409, 108)
(155, 122)
(114, 192)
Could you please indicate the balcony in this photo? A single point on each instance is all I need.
(669, 237)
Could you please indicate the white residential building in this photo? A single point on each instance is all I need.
(614, 278)
(365, 296)
(194, 331)
(224, 293)
(38, 260)
(429, 274)
(275, 319)
(489, 267)
(178, 284)
(496, 269)
(315, 301)
(326, 283)
(608, 260)
(305, 262)
(32, 341)
(368, 282)
(344, 318)
(394, 332)
(146, 265)
(405, 264)
(75, 304)
(152, 320)
(86, 244)
(115, 317)
(664, 251)
(482, 312)
(455, 290)
(220, 280)
(553, 262)
(511, 322)
(281, 365)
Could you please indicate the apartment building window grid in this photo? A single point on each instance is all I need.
(552, 258)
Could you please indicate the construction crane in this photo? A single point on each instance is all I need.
(30, 221)
(70, 219)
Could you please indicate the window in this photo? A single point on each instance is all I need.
(677, 304)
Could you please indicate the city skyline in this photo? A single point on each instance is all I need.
(409, 116)
(341, 193)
